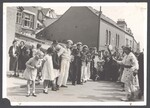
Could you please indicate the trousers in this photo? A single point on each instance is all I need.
(64, 71)
(84, 71)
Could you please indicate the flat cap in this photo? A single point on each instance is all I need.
(70, 41)
(79, 43)
(85, 46)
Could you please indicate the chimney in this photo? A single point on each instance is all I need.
(121, 23)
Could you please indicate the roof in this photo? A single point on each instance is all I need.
(45, 10)
(31, 9)
(107, 19)
(49, 21)
(103, 17)
(58, 16)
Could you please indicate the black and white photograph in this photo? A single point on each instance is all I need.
(75, 53)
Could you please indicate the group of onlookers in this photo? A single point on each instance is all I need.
(78, 63)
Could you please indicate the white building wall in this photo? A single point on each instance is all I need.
(106, 26)
(10, 29)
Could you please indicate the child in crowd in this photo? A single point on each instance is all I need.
(89, 59)
(30, 72)
(48, 71)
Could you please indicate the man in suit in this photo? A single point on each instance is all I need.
(77, 63)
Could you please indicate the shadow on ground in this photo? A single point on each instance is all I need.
(22, 91)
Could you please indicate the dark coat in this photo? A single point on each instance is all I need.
(76, 66)
(13, 59)
(141, 72)
(21, 58)
(56, 61)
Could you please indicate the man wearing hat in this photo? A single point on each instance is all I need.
(65, 64)
(77, 64)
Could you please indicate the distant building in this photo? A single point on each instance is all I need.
(28, 22)
(84, 24)
(46, 16)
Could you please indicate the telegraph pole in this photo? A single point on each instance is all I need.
(99, 18)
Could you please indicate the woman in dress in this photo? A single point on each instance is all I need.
(13, 54)
(30, 72)
(84, 64)
(48, 71)
(129, 76)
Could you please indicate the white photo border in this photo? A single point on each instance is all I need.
(4, 83)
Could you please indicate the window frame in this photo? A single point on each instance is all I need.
(127, 40)
(29, 20)
(107, 37)
(19, 18)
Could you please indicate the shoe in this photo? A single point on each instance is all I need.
(73, 84)
(33, 94)
(124, 99)
(64, 86)
(57, 87)
(14, 75)
(28, 95)
(85, 81)
(45, 92)
(81, 83)
(54, 89)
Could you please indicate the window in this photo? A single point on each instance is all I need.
(28, 20)
(127, 42)
(117, 40)
(19, 19)
(109, 37)
(130, 43)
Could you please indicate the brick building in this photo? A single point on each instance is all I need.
(86, 25)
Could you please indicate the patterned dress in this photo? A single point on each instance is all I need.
(127, 76)
(31, 73)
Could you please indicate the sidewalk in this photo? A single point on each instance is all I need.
(100, 91)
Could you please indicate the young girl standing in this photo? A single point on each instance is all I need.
(30, 72)
(48, 71)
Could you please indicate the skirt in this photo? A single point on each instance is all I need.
(13, 63)
(30, 74)
(57, 73)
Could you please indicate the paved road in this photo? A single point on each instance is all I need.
(100, 91)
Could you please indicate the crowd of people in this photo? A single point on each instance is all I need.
(78, 63)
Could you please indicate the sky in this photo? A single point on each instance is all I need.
(135, 15)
